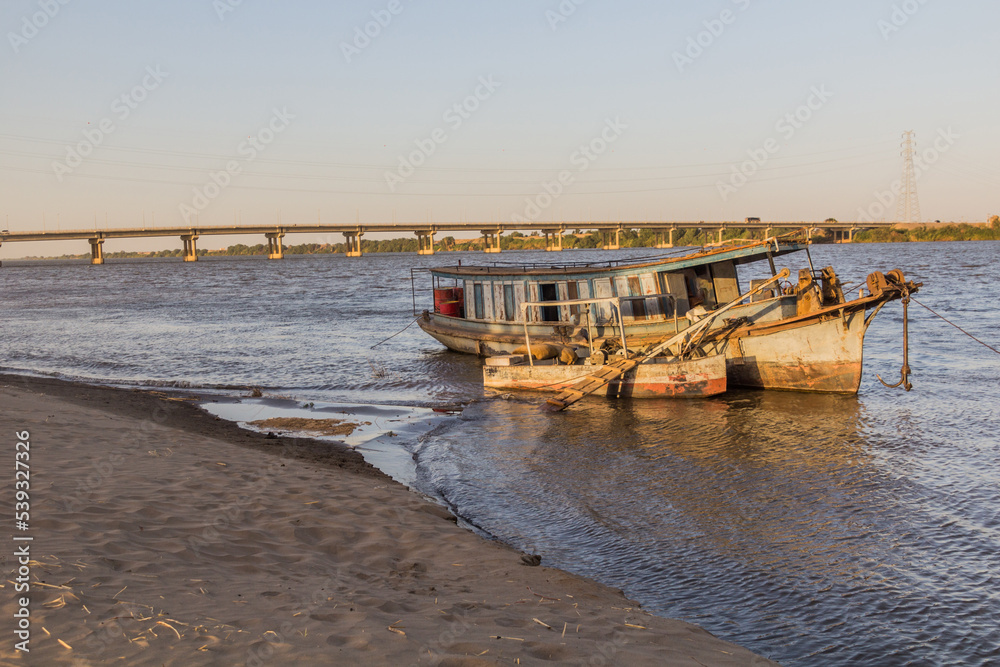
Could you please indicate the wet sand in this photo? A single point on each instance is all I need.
(163, 535)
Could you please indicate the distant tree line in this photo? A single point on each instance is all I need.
(934, 232)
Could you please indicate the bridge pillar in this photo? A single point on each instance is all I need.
(767, 233)
(608, 244)
(190, 247)
(97, 251)
(353, 241)
(722, 230)
(665, 237)
(553, 240)
(425, 243)
(275, 250)
(843, 235)
(491, 242)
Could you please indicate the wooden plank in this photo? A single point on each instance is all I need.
(593, 382)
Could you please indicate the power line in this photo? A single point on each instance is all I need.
(383, 167)
(382, 193)
(437, 181)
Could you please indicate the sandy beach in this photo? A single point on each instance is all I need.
(162, 535)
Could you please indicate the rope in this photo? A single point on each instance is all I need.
(957, 327)
(397, 333)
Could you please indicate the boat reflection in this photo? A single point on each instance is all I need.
(756, 477)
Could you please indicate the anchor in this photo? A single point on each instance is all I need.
(895, 278)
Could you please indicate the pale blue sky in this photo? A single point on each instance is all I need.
(682, 130)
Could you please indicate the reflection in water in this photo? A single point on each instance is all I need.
(767, 517)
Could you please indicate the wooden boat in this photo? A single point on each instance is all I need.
(627, 375)
(659, 378)
(657, 371)
(803, 336)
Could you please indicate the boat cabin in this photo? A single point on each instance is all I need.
(652, 291)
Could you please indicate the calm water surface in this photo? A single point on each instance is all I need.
(812, 529)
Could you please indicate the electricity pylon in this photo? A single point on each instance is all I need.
(907, 206)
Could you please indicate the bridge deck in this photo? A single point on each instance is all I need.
(417, 228)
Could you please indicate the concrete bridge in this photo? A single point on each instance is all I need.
(553, 232)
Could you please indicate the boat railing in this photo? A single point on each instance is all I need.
(615, 301)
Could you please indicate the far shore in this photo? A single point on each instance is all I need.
(163, 535)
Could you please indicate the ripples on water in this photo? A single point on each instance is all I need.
(812, 529)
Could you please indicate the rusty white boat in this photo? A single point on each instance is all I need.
(802, 336)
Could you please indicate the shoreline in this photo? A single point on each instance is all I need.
(165, 535)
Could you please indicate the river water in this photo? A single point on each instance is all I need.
(812, 529)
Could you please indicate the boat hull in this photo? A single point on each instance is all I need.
(488, 339)
(697, 378)
(815, 355)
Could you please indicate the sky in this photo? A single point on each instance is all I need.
(131, 113)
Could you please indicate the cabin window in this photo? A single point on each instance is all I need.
(603, 290)
(508, 303)
(573, 293)
(488, 313)
(498, 312)
(693, 294)
(666, 307)
(727, 287)
(622, 292)
(638, 305)
(675, 285)
(468, 300)
(480, 310)
(583, 292)
(548, 292)
(704, 286)
(518, 302)
(562, 289)
(654, 307)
